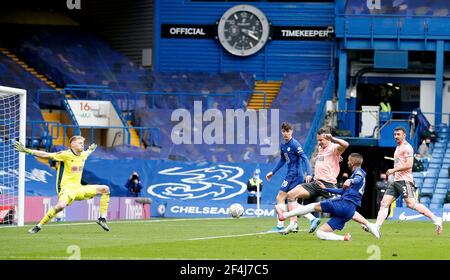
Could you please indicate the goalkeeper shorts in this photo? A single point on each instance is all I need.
(70, 194)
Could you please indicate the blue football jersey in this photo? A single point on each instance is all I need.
(355, 192)
(292, 153)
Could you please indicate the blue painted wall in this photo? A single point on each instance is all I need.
(277, 58)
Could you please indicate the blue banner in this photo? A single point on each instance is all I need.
(185, 181)
(197, 209)
(40, 179)
(406, 214)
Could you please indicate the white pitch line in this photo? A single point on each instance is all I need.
(234, 235)
(54, 224)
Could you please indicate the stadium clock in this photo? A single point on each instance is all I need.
(243, 30)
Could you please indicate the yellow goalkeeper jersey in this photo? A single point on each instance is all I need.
(70, 168)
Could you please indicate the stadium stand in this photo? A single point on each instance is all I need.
(401, 7)
(298, 100)
(12, 75)
(434, 184)
(70, 55)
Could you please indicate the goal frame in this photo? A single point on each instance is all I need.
(22, 138)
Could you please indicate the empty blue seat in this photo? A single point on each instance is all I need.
(443, 181)
(446, 206)
(431, 181)
(439, 145)
(435, 160)
(439, 196)
(432, 172)
(440, 191)
(439, 150)
(435, 206)
(434, 165)
(443, 173)
(426, 191)
(425, 200)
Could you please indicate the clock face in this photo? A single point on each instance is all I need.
(243, 30)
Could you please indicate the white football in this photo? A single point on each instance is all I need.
(236, 210)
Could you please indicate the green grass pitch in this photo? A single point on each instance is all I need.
(219, 239)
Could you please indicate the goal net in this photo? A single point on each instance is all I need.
(12, 163)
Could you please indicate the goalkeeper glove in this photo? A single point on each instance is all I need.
(92, 148)
(21, 148)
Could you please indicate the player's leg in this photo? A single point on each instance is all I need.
(103, 190)
(412, 203)
(326, 232)
(366, 225)
(342, 212)
(281, 204)
(292, 204)
(305, 191)
(65, 198)
(299, 211)
(391, 194)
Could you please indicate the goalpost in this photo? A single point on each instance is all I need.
(12, 164)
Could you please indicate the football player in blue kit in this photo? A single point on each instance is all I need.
(292, 154)
(341, 208)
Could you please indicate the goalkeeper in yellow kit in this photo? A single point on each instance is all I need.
(68, 180)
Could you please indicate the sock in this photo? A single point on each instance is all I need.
(104, 201)
(50, 215)
(382, 215)
(291, 206)
(300, 210)
(309, 216)
(280, 224)
(328, 235)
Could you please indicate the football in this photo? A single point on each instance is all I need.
(236, 210)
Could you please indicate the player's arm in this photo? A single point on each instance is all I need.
(91, 149)
(408, 166)
(281, 162)
(330, 190)
(307, 165)
(343, 145)
(353, 181)
(335, 190)
(21, 148)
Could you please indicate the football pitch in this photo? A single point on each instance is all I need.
(219, 239)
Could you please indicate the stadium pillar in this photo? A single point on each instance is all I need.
(342, 87)
(439, 81)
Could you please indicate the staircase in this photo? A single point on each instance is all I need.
(271, 88)
(56, 116)
(134, 135)
(29, 69)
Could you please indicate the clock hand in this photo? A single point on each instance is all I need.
(251, 35)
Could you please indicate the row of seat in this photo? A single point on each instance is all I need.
(434, 184)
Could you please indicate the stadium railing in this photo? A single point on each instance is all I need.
(404, 116)
(239, 98)
(54, 130)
